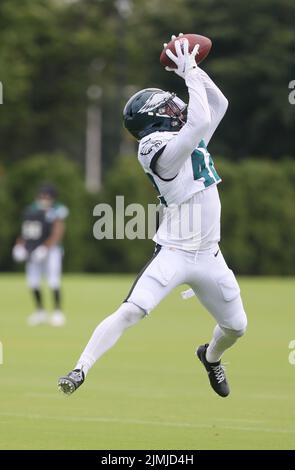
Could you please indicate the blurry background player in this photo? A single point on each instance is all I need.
(39, 245)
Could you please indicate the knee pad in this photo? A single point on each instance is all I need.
(33, 284)
(54, 280)
(239, 328)
(54, 283)
(130, 312)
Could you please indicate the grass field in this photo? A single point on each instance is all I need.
(149, 392)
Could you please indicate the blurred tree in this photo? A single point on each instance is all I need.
(258, 218)
(252, 60)
(52, 50)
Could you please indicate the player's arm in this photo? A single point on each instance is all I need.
(20, 239)
(19, 252)
(198, 122)
(41, 252)
(218, 104)
(57, 234)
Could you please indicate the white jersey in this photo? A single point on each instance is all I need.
(190, 219)
(196, 174)
(182, 170)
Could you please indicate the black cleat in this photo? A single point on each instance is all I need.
(69, 383)
(215, 372)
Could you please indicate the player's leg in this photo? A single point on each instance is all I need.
(53, 273)
(34, 275)
(103, 338)
(218, 290)
(38, 298)
(153, 283)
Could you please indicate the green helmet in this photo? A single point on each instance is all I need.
(152, 110)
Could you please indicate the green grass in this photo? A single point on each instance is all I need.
(149, 392)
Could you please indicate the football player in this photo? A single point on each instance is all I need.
(39, 245)
(173, 140)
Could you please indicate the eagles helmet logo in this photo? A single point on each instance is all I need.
(155, 101)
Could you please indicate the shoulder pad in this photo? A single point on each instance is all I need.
(151, 144)
(61, 211)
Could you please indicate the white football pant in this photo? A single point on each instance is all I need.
(206, 272)
(50, 268)
(211, 280)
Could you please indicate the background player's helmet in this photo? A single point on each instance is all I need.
(46, 195)
(47, 189)
(152, 110)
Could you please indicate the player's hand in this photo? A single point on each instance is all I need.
(39, 254)
(19, 253)
(184, 60)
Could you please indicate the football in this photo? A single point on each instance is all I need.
(193, 39)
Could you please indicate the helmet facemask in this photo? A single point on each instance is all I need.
(175, 109)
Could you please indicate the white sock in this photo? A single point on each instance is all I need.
(222, 340)
(107, 334)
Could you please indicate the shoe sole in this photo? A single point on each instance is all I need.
(198, 354)
(66, 386)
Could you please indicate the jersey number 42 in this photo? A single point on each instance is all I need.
(203, 166)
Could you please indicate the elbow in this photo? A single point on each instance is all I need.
(224, 104)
